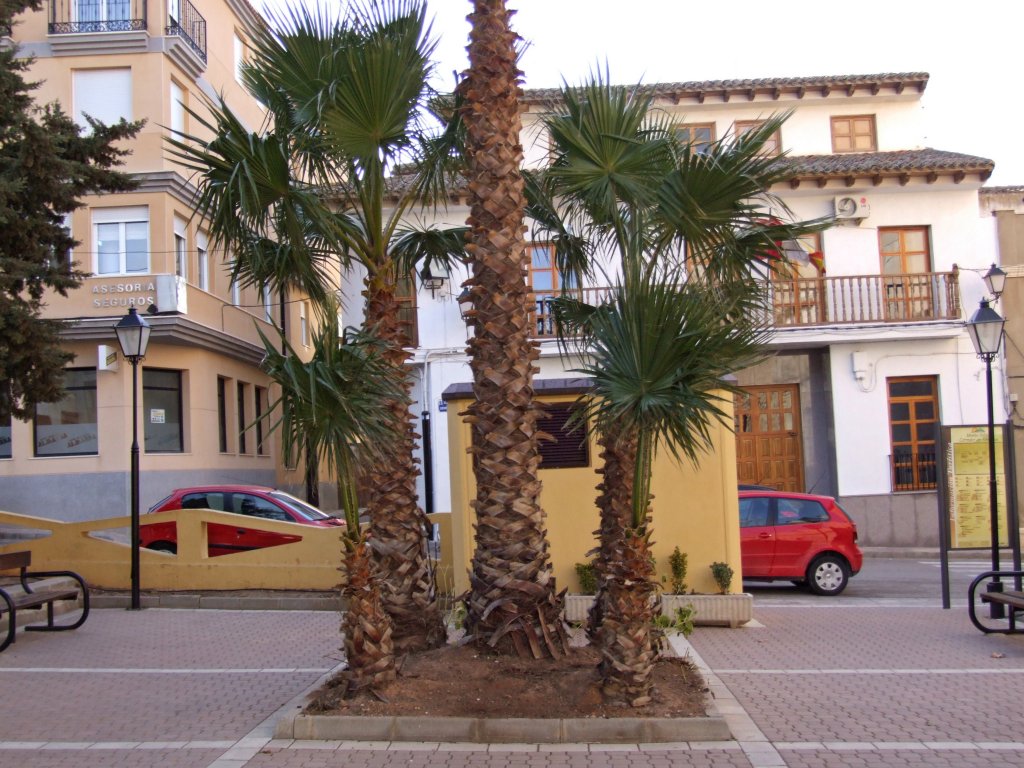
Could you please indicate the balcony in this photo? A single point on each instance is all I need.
(90, 16)
(184, 21)
(827, 301)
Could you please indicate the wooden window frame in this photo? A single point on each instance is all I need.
(701, 147)
(850, 120)
(408, 308)
(741, 127)
(920, 472)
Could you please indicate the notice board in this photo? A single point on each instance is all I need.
(966, 482)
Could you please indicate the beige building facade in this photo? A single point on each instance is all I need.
(200, 384)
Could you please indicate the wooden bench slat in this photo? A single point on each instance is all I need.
(38, 599)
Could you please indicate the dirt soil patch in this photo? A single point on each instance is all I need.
(462, 681)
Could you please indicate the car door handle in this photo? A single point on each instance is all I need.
(764, 535)
(241, 531)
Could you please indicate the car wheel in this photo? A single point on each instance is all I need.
(164, 546)
(828, 575)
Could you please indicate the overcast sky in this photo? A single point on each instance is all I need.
(971, 50)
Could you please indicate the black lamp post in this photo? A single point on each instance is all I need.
(133, 335)
(986, 330)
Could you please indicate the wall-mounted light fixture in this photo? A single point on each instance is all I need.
(432, 281)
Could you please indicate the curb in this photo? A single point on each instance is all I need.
(476, 730)
(251, 602)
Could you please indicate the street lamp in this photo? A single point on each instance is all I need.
(431, 281)
(133, 335)
(986, 330)
(466, 305)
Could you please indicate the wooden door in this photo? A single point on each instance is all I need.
(768, 438)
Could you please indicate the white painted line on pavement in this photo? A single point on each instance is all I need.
(155, 671)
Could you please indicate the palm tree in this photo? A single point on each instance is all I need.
(690, 231)
(345, 102)
(339, 403)
(512, 604)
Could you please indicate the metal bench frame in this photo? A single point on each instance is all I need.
(37, 599)
(1012, 599)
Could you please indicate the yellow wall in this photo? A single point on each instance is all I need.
(696, 509)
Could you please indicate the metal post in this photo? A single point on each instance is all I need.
(135, 485)
(996, 610)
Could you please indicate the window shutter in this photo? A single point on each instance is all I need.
(568, 449)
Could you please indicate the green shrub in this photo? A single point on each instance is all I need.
(677, 565)
(680, 621)
(587, 578)
(723, 576)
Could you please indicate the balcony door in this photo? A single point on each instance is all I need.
(768, 437)
(906, 273)
(99, 12)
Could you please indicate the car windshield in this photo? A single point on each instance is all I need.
(301, 508)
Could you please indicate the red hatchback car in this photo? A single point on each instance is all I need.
(245, 500)
(798, 537)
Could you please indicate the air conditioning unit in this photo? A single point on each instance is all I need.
(848, 207)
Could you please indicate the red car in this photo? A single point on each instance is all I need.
(799, 537)
(245, 500)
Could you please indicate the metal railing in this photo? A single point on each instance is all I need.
(847, 300)
(913, 471)
(74, 16)
(187, 23)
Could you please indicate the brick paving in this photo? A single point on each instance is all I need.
(851, 687)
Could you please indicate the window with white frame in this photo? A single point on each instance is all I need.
(304, 323)
(121, 238)
(180, 249)
(267, 299)
(177, 109)
(236, 293)
(103, 94)
(203, 259)
(238, 49)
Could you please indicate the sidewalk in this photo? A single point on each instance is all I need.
(805, 686)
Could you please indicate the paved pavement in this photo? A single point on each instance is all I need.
(860, 684)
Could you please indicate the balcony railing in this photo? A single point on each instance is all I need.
(71, 16)
(187, 23)
(849, 300)
(864, 299)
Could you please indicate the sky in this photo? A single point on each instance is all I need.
(973, 100)
(971, 50)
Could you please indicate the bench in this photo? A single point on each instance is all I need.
(11, 600)
(1012, 599)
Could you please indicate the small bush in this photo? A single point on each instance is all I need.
(587, 578)
(677, 565)
(723, 576)
(680, 621)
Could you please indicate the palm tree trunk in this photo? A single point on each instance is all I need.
(369, 648)
(627, 592)
(615, 504)
(512, 604)
(398, 526)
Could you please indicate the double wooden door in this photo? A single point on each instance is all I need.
(768, 437)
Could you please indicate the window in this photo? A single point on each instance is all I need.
(773, 145)
(798, 292)
(254, 506)
(754, 512)
(177, 110)
(236, 293)
(222, 413)
(546, 282)
(405, 295)
(854, 133)
(121, 236)
(5, 437)
(906, 267)
(267, 299)
(913, 425)
(94, 13)
(242, 421)
(238, 49)
(161, 411)
(261, 410)
(797, 511)
(103, 94)
(180, 249)
(699, 135)
(68, 427)
(569, 448)
(212, 500)
(304, 323)
(203, 259)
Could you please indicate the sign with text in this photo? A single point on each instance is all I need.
(967, 481)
